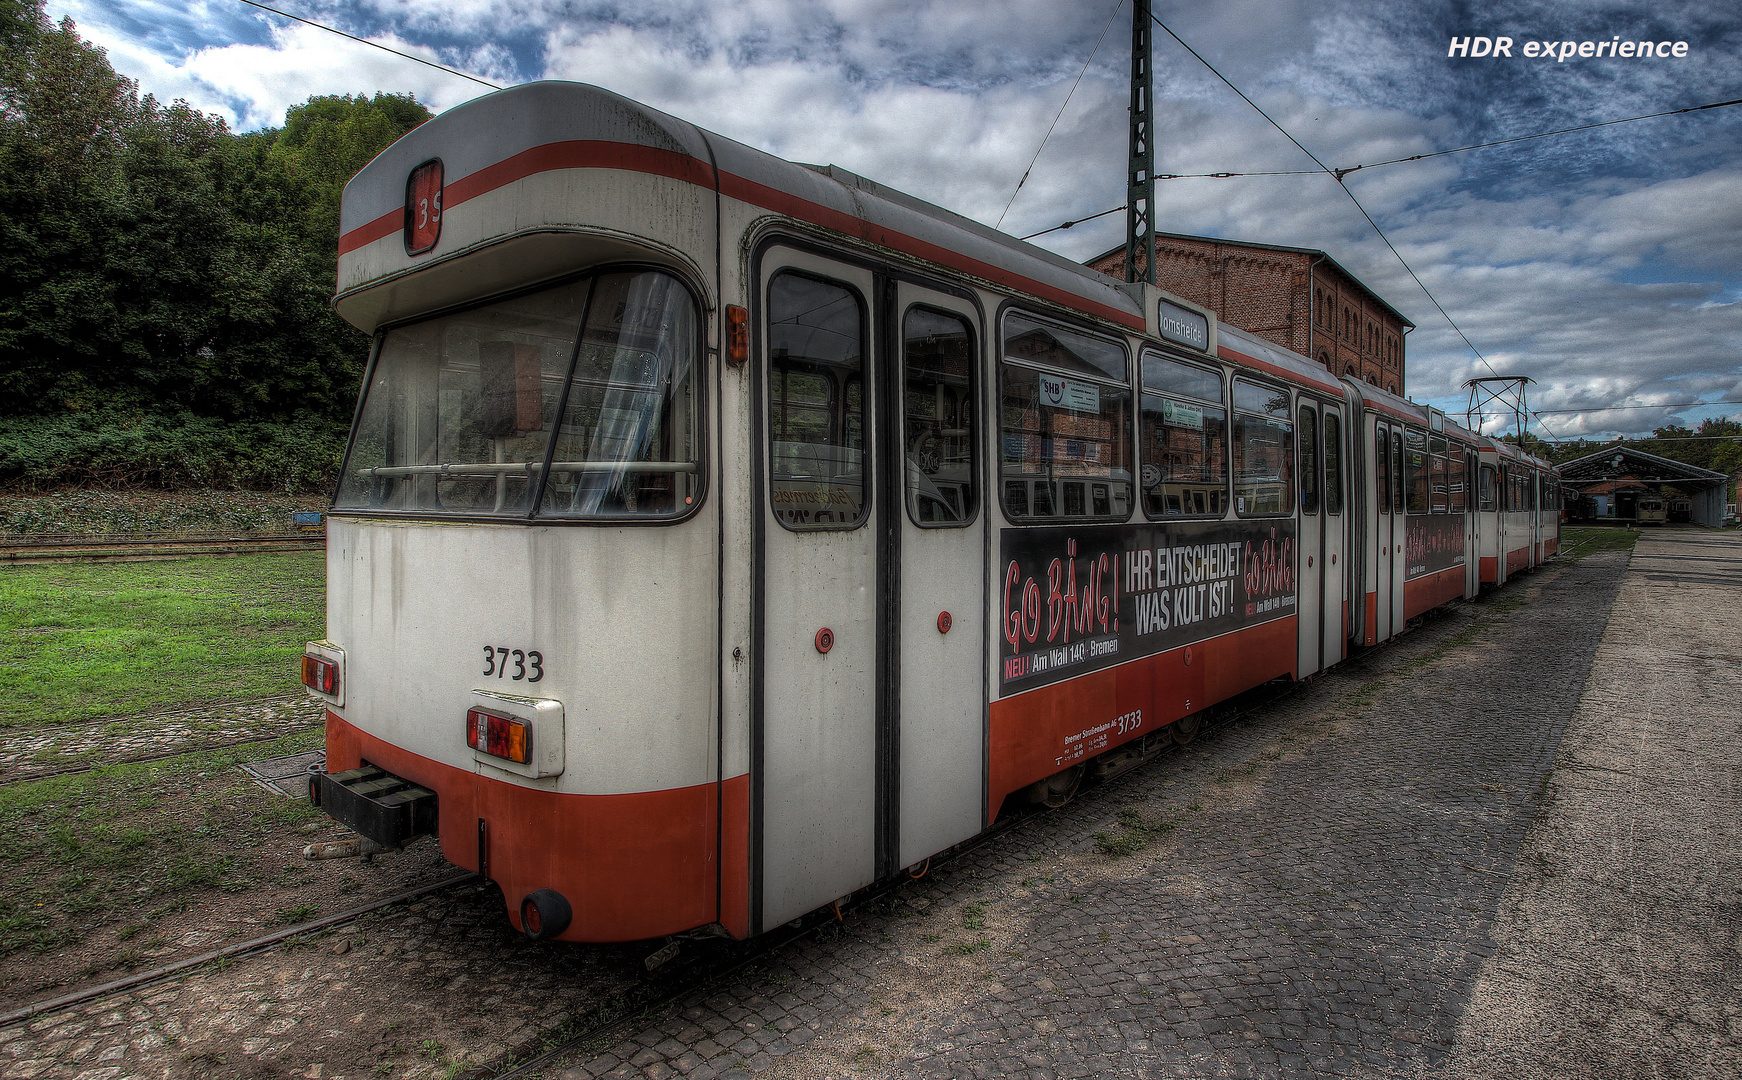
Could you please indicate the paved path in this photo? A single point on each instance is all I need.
(1620, 936)
(1312, 892)
(40, 751)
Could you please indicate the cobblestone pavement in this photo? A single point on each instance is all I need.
(1308, 892)
(1310, 889)
(1620, 936)
(35, 752)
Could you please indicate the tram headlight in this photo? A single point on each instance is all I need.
(499, 736)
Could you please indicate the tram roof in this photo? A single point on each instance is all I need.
(498, 138)
(494, 140)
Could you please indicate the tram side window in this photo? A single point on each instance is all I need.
(1185, 440)
(1382, 471)
(938, 354)
(1309, 464)
(1263, 449)
(816, 406)
(1439, 491)
(1457, 485)
(1333, 463)
(1397, 472)
(1486, 494)
(1415, 465)
(460, 411)
(627, 446)
(1065, 423)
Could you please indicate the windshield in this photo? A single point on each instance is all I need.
(460, 414)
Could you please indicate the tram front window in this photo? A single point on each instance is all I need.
(459, 414)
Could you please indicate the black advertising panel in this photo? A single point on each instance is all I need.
(1431, 543)
(1079, 599)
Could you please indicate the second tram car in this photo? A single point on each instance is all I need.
(720, 535)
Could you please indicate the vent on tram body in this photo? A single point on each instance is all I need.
(423, 207)
(499, 736)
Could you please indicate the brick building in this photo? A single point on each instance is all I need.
(1298, 298)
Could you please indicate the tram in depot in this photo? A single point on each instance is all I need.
(720, 535)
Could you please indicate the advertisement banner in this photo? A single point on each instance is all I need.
(1431, 543)
(1078, 599)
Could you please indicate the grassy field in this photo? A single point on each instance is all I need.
(129, 844)
(82, 642)
(1577, 541)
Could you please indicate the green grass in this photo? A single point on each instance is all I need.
(84, 641)
(1579, 541)
(128, 844)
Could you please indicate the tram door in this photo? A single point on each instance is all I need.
(1309, 568)
(1472, 525)
(814, 743)
(1380, 546)
(1334, 556)
(939, 645)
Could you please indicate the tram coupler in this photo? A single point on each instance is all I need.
(386, 809)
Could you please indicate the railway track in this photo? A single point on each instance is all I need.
(693, 969)
(20, 552)
(142, 979)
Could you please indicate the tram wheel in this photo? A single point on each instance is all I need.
(1185, 729)
(1057, 789)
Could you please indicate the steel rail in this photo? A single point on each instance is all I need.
(197, 748)
(24, 552)
(240, 948)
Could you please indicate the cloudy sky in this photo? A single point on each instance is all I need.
(1606, 265)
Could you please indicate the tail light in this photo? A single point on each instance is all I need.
(320, 675)
(499, 736)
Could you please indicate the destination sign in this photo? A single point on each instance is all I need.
(1182, 325)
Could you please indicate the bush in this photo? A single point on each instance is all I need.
(39, 453)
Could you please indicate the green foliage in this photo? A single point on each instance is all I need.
(154, 264)
(141, 511)
(178, 449)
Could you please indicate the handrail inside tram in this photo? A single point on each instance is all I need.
(490, 467)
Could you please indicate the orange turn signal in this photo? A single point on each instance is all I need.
(737, 334)
(499, 736)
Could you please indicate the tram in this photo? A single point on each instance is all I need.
(720, 535)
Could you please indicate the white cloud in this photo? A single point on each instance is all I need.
(1606, 265)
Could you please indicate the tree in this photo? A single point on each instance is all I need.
(155, 264)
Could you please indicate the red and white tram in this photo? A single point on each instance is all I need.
(721, 535)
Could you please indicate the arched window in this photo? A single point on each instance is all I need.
(1392, 388)
(1349, 369)
(1374, 379)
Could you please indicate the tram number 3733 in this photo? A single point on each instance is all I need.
(527, 664)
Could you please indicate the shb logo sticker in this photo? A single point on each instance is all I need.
(1052, 391)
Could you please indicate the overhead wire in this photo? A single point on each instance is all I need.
(1055, 120)
(1392, 161)
(1616, 408)
(1340, 173)
(1333, 173)
(371, 44)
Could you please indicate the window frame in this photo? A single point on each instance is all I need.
(1222, 382)
(703, 381)
(1288, 417)
(1331, 449)
(976, 437)
(1129, 437)
(867, 467)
